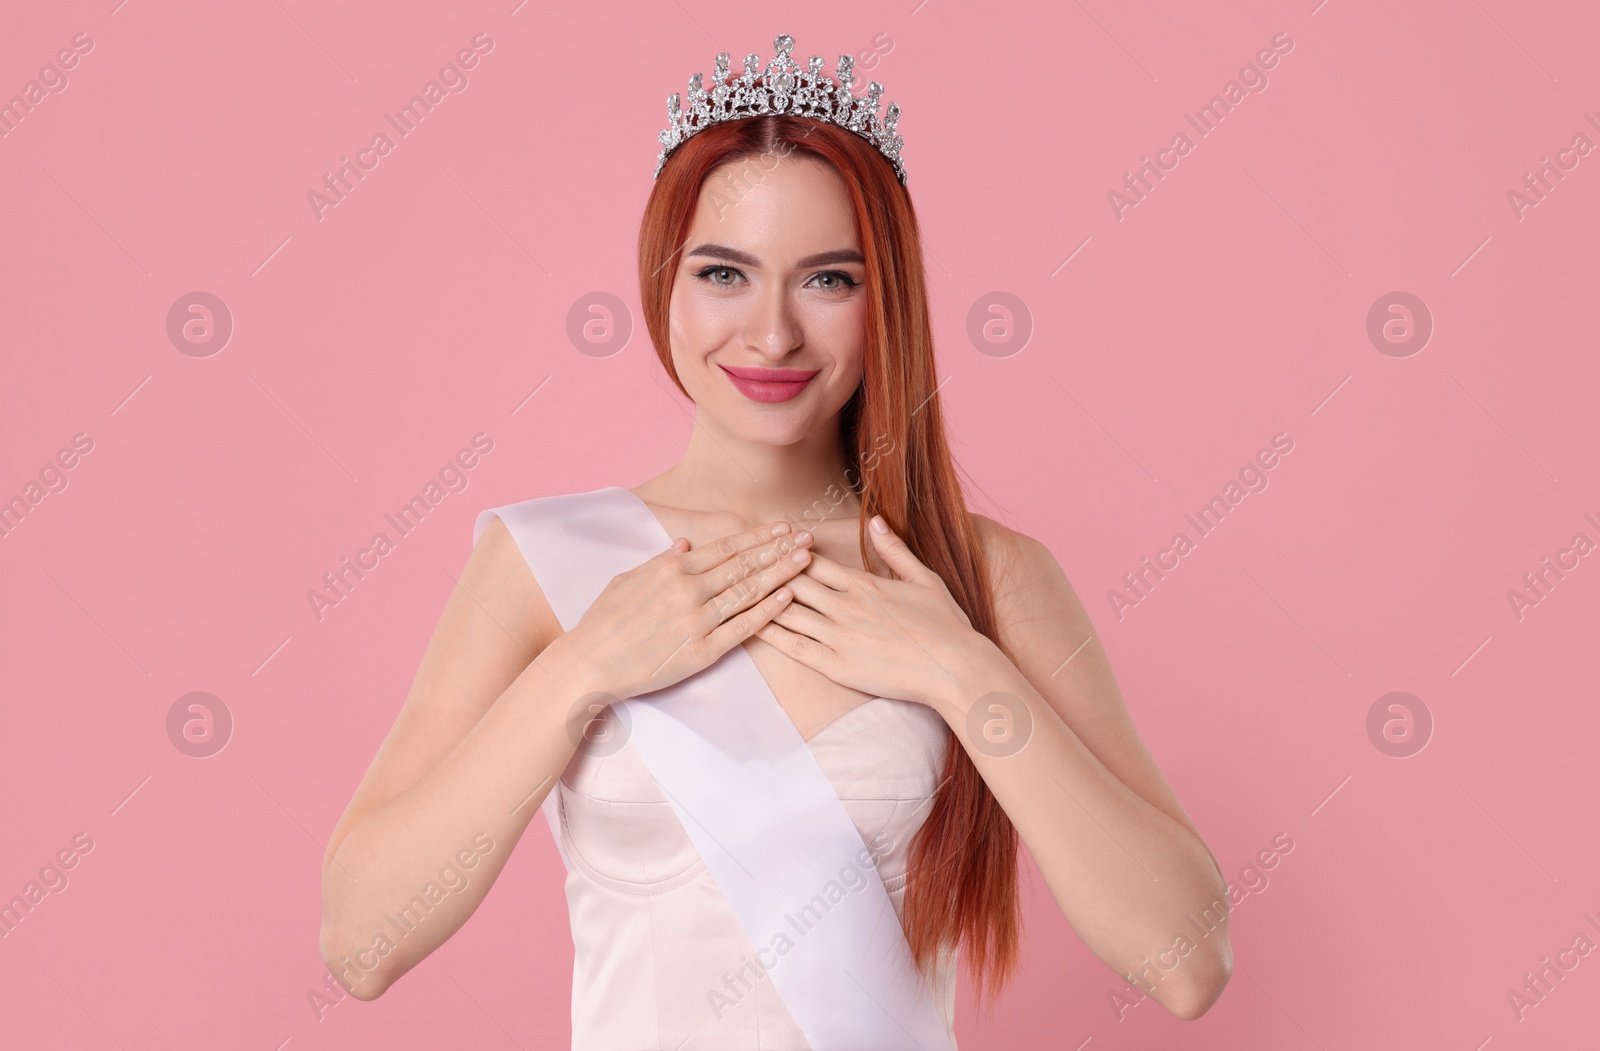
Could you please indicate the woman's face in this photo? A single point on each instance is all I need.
(768, 309)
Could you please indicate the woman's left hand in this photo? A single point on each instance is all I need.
(886, 638)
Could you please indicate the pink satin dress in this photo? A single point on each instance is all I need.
(661, 963)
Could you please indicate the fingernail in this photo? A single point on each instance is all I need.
(780, 529)
(805, 536)
(878, 524)
(801, 556)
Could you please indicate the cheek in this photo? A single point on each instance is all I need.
(698, 324)
(842, 331)
(688, 330)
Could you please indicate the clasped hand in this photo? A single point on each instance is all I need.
(683, 609)
(883, 637)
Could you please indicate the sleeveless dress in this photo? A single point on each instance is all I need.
(660, 960)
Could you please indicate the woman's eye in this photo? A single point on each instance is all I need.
(704, 275)
(840, 279)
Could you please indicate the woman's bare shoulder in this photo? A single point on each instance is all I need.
(1029, 585)
(1011, 555)
(498, 580)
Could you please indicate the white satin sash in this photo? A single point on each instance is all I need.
(754, 801)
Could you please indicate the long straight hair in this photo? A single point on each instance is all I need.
(961, 886)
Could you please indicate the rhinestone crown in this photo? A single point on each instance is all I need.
(783, 88)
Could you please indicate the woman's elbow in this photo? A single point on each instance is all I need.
(1205, 983)
(361, 972)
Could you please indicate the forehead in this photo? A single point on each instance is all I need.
(776, 208)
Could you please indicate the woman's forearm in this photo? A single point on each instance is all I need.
(407, 875)
(1127, 876)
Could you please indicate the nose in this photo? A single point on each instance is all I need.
(773, 327)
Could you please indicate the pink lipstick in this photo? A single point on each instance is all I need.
(768, 385)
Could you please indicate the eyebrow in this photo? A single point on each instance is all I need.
(733, 255)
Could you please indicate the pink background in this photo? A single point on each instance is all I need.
(1227, 307)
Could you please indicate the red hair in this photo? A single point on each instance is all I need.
(961, 887)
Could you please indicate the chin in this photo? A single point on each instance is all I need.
(768, 427)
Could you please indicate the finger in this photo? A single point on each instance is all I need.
(814, 593)
(678, 546)
(896, 555)
(835, 575)
(730, 633)
(746, 564)
(803, 648)
(804, 621)
(720, 550)
(748, 590)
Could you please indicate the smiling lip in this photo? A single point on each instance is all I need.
(768, 385)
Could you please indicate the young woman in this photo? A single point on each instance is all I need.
(835, 679)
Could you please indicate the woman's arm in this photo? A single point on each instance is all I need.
(495, 714)
(477, 746)
(1123, 861)
(1048, 734)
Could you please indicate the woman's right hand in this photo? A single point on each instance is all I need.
(682, 610)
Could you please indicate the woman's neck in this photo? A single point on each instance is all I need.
(758, 482)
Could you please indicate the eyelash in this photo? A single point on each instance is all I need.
(850, 282)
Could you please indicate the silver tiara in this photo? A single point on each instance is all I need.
(783, 88)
